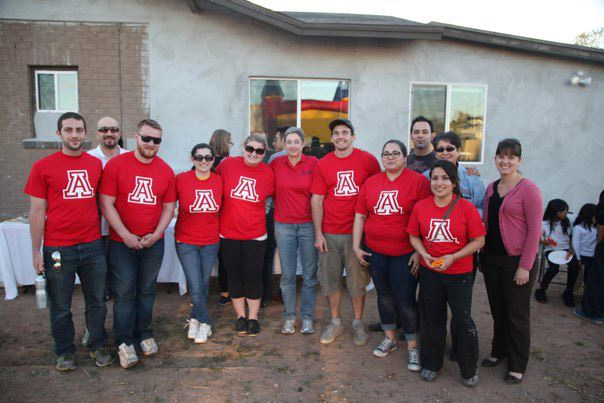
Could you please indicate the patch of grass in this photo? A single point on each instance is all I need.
(310, 354)
(245, 350)
(580, 343)
(273, 352)
(537, 354)
(213, 360)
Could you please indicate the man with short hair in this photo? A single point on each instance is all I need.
(137, 198)
(421, 156)
(335, 187)
(62, 189)
(279, 143)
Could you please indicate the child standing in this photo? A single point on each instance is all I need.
(584, 237)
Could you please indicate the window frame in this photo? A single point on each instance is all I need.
(298, 92)
(449, 86)
(55, 74)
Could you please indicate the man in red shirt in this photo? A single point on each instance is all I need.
(63, 210)
(137, 199)
(336, 182)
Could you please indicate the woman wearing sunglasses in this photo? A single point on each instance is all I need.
(196, 234)
(512, 216)
(247, 184)
(446, 230)
(382, 213)
(294, 230)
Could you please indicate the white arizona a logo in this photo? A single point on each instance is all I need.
(345, 185)
(388, 203)
(440, 231)
(78, 186)
(245, 190)
(143, 191)
(204, 202)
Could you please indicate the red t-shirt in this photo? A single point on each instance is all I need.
(69, 185)
(243, 214)
(387, 206)
(199, 202)
(139, 190)
(340, 180)
(292, 189)
(448, 236)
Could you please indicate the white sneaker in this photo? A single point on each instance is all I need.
(149, 346)
(127, 355)
(384, 348)
(413, 360)
(193, 328)
(308, 326)
(289, 327)
(205, 330)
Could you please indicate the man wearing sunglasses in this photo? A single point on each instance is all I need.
(137, 198)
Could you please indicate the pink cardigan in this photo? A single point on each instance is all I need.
(520, 219)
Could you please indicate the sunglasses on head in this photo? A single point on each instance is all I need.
(449, 149)
(106, 129)
(258, 151)
(146, 139)
(200, 158)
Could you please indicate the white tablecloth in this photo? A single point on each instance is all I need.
(16, 268)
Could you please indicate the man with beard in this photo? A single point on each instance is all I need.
(422, 156)
(108, 133)
(335, 187)
(63, 210)
(137, 198)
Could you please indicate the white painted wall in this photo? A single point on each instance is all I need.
(200, 65)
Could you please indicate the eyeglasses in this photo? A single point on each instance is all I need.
(394, 154)
(146, 139)
(200, 158)
(106, 129)
(449, 149)
(258, 151)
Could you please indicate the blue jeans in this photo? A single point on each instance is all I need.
(197, 262)
(291, 240)
(133, 275)
(88, 261)
(396, 287)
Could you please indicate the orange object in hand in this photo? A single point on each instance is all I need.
(551, 241)
(438, 262)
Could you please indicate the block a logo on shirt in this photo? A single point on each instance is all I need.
(345, 185)
(78, 185)
(245, 190)
(204, 202)
(440, 231)
(143, 191)
(387, 204)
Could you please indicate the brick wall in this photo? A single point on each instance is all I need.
(112, 64)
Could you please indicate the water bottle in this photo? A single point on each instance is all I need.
(41, 297)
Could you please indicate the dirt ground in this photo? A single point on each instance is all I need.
(567, 360)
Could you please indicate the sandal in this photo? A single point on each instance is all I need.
(511, 379)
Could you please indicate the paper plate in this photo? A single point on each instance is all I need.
(559, 257)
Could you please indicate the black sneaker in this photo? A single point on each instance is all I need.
(264, 303)
(540, 295)
(241, 325)
(253, 327)
(222, 301)
(569, 299)
(375, 327)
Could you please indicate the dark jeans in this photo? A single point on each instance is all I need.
(436, 290)
(87, 260)
(396, 287)
(197, 263)
(553, 269)
(134, 274)
(592, 304)
(510, 308)
(223, 277)
(243, 261)
(269, 257)
(587, 262)
(108, 286)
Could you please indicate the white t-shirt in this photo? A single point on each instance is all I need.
(98, 153)
(561, 239)
(584, 241)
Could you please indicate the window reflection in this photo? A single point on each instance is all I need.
(322, 102)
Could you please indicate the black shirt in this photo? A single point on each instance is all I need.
(493, 241)
(420, 163)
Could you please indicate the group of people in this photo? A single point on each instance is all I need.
(420, 221)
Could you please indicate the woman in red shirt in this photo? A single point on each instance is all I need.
(294, 230)
(199, 193)
(382, 212)
(446, 230)
(247, 184)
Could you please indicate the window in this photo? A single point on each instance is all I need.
(56, 91)
(460, 108)
(307, 103)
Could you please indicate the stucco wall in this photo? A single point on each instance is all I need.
(199, 66)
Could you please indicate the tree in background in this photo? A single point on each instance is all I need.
(592, 38)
